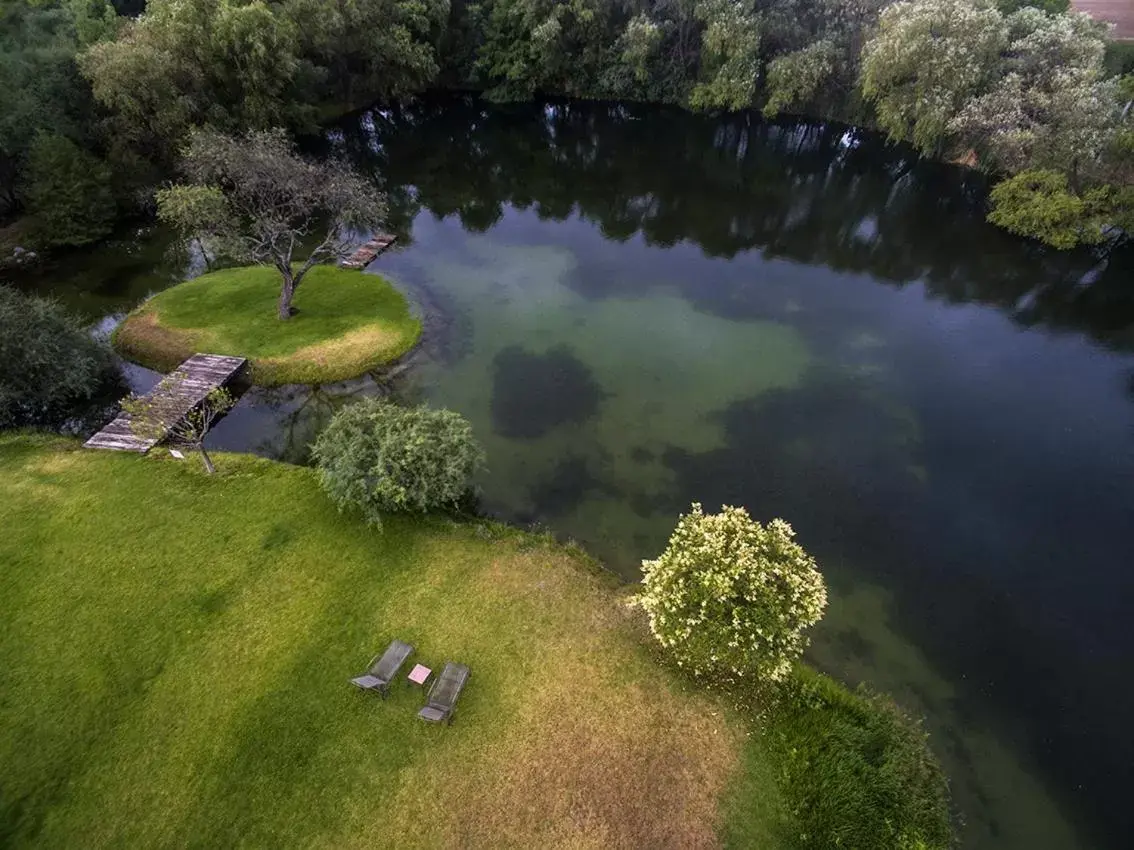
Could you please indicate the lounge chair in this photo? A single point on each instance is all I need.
(442, 701)
(384, 668)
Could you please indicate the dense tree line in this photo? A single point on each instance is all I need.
(47, 118)
(1014, 87)
(97, 99)
(1017, 88)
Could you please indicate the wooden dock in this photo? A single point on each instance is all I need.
(367, 252)
(183, 390)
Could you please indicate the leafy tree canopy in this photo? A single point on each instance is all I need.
(53, 373)
(1050, 107)
(816, 47)
(255, 199)
(1009, 85)
(1040, 204)
(1053, 7)
(927, 59)
(238, 65)
(40, 86)
(730, 55)
(380, 458)
(544, 46)
(731, 597)
(226, 63)
(68, 193)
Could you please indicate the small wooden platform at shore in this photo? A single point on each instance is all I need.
(367, 252)
(183, 389)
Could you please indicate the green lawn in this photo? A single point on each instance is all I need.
(175, 651)
(175, 654)
(348, 323)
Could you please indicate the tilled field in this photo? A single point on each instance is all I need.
(1118, 12)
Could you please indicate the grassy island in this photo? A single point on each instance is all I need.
(176, 649)
(346, 324)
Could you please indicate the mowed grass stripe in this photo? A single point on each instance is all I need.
(174, 672)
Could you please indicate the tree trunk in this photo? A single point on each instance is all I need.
(287, 292)
(209, 468)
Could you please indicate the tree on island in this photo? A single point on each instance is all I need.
(152, 415)
(732, 598)
(254, 199)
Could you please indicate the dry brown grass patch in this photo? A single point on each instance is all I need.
(593, 746)
(597, 762)
(143, 339)
(356, 346)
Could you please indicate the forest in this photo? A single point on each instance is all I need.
(97, 97)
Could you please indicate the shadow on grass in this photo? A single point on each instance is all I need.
(293, 746)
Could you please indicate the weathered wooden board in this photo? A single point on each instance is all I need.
(367, 252)
(181, 391)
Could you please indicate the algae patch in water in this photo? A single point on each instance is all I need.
(614, 384)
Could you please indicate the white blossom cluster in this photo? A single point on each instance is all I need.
(732, 597)
(926, 60)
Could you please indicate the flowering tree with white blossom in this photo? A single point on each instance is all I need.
(731, 597)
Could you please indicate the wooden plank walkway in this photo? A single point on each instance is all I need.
(367, 252)
(182, 390)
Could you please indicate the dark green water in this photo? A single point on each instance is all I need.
(637, 309)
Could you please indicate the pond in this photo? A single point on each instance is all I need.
(638, 309)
